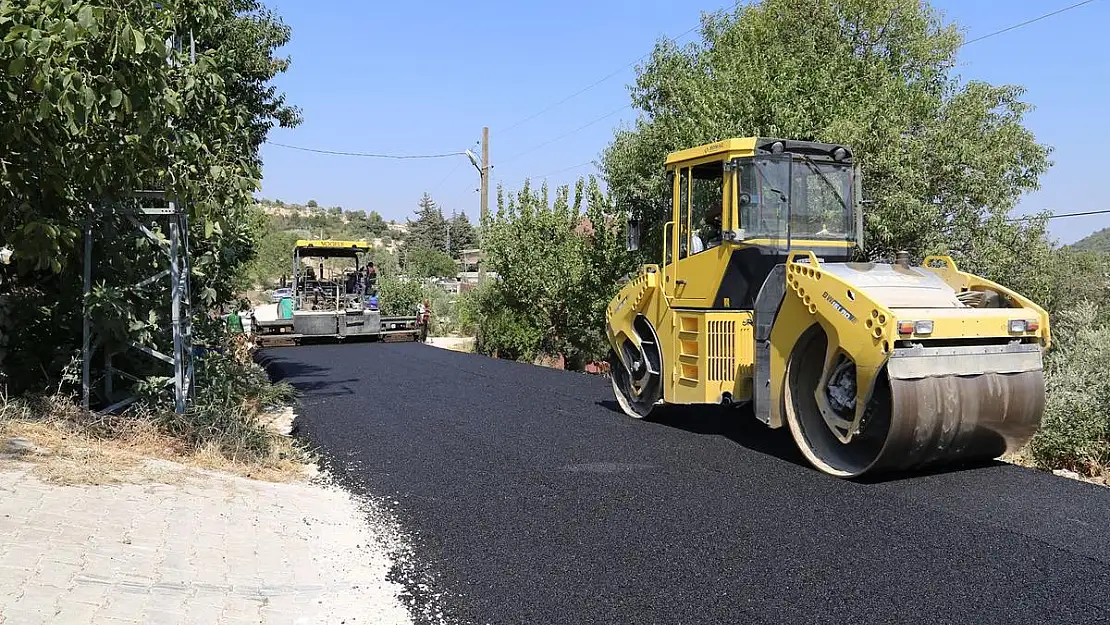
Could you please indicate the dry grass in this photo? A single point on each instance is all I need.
(65, 445)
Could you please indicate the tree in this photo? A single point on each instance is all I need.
(274, 253)
(375, 225)
(463, 236)
(385, 262)
(312, 204)
(95, 105)
(399, 295)
(422, 262)
(429, 230)
(943, 162)
(557, 265)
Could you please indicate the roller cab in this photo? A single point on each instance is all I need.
(758, 299)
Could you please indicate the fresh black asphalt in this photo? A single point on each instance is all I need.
(533, 501)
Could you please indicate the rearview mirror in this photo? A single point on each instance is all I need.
(633, 242)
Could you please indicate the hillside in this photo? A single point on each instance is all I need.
(1094, 242)
(281, 224)
(314, 221)
(429, 245)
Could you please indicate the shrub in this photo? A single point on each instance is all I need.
(557, 264)
(399, 295)
(231, 391)
(1075, 432)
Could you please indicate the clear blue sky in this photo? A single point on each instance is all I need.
(424, 77)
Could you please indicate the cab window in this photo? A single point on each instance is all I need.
(705, 202)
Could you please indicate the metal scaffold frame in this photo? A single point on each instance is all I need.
(178, 271)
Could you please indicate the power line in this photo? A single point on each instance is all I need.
(439, 185)
(1060, 215)
(1028, 22)
(587, 125)
(628, 106)
(365, 154)
(568, 133)
(600, 80)
(559, 171)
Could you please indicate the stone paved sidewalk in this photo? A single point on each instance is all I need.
(204, 548)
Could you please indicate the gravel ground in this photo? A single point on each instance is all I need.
(531, 500)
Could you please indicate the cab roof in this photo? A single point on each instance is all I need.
(750, 146)
(331, 247)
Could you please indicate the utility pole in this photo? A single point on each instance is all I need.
(448, 228)
(485, 206)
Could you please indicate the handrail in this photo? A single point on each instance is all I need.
(663, 267)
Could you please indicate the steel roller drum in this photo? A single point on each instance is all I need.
(931, 407)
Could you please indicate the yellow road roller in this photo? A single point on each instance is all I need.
(758, 300)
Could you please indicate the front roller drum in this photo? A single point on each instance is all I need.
(931, 407)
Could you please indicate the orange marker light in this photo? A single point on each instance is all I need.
(905, 327)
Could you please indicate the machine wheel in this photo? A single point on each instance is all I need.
(810, 431)
(910, 423)
(638, 386)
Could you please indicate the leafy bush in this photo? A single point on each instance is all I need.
(557, 265)
(231, 393)
(399, 295)
(1075, 432)
(467, 312)
(428, 263)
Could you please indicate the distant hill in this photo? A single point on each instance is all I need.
(1094, 242)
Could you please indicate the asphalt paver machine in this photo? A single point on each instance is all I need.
(331, 297)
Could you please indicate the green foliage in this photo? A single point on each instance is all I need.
(274, 255)
(328, 224)
(467, 311)
(428, 263)
(94, 105)
(399, 295)
(1075, 433)
(368, 225)
(385, 262)
(463, 235)
(429, 230)
(557, 264)
(944, 162)
(1094, 242)
(231, 392)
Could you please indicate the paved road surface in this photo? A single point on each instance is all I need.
(537, 503)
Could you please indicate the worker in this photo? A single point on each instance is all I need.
(371, 275)
(234, 322)
(352, 282)
(711, 230)
(424, 315)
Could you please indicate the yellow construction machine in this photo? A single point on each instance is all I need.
(757, 301)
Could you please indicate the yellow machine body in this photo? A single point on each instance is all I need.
(872, 366)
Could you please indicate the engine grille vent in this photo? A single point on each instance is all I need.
(722, 351)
